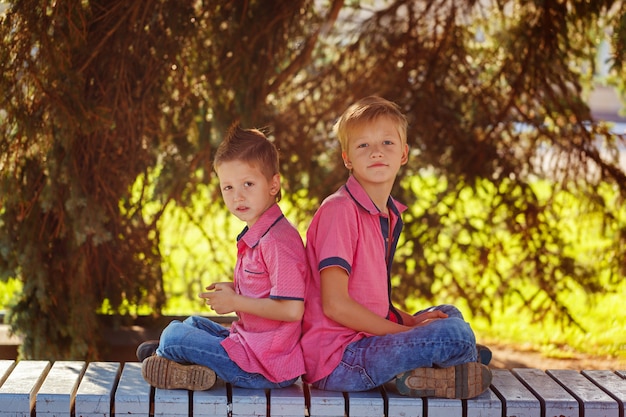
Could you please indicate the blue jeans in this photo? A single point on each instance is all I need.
(198, 340)
(375, 360)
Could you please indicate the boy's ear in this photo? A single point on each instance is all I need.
(405, 154)
(275, 184)
(346, 161)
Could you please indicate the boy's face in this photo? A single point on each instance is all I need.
(246, 191)
(375, 151)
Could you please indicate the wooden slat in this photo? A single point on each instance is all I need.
(95, 392)
(171, 402)
(555, 400)
(213, 402)
(399, 405)
(5, 369)
(517, 399)
(596, 403)
(443, 407)
(612, 384)
(56, 396)
(365, 404)
(486, 404)
(326, 403)
(288, 402)
(249, 402)
(19, 390)
(622, 373)
(132, 396)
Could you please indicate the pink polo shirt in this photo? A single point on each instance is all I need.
(350, 232)
(271, 262)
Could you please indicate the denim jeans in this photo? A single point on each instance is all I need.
(375, 360)
(198, 340)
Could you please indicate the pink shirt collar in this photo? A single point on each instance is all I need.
(359, 195)
(252, 236)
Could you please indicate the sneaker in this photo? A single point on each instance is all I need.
(147, 349)
(461, 381)
(484, 354)
(164, 373)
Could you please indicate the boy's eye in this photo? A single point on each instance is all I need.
(362, 145)
(388, 142)
(248, 184)
(227, 187)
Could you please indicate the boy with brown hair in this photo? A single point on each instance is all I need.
(261, 349)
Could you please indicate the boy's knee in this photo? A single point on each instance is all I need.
(451, 310)
(169, 332)
(463, 330)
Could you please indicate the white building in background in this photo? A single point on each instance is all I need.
(604, 101)
(606, 104)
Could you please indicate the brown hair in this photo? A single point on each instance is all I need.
(251, 146)
(366, 110)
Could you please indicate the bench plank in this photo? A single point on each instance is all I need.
(622, 373)
(326, 403)
(249, 402)
(132, 396)
(365, 404)
(95, 392)
(555, 400)
(19, 390)
(517, 399)
(288, 402)
(399, 405)
(596, 403)
(486, 404)
(171, 402)
(58, 392)
(443, 407)
(213, 402)
(612, 384)
(5, 369)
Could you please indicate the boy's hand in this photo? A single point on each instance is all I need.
(220, 297)
(426, 317)
(222, 284)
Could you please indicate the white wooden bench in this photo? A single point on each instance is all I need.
(113, 389)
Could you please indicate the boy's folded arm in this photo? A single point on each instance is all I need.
(270, 308)
(340, 307)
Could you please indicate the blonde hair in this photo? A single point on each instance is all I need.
(367, 110)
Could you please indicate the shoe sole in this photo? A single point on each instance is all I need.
(460, 382)
(164, 373)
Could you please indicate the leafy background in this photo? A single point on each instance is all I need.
(111, 110)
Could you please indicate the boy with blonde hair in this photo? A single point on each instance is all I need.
(354, 339)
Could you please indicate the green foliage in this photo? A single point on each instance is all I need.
(82, 119)
(110, 111)
(602, 316)
(479, 256)
(9, 290)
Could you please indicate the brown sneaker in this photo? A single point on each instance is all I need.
(461, 381)
(164, 373)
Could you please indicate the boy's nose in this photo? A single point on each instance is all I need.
(376, 151)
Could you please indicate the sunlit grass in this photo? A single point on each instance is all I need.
(602, 320)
